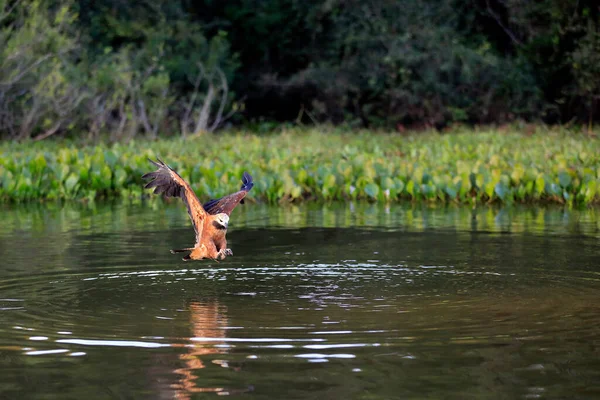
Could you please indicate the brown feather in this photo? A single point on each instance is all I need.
(227, 203)
(166, 180)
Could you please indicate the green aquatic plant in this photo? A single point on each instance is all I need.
(313, 165)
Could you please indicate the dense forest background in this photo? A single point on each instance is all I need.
(121, 69)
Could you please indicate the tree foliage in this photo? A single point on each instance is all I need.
(116, 69)
(138, 77)
(424, 62)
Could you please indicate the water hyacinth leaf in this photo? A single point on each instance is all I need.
(346, 171)
(106, 176)
(330, 181)
(413, 166)
(296, 192)
(520, 192)
(24, 185)
(372, 190)
(463, 186)
(479, 180)
(429, 191)
(501, 190)
(399, 186)
(38, 164)
(84, 174)
(564, 179)
(25, 173)
(426, 178)
(70, 183)
(489, 189)
(450, 191)
(8, 181)
(540, 184)
(380, 169)
(302, 176)
(496, 174)
(410, 188)
(61, 171)
(329, 186)
(517, 173)
(207, 173)
(369, 171)
(418, 175)
(120, 177)
(592, 187)
(554, 189)
(473, 180)
(110, 158)
(280, 192)
(529, 188)
(387, 183)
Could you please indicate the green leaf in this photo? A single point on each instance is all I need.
(410, 188)
(106, 176)
(528, 190)
(120, 177)
(564, 179)
(301, 176)
(372, 190)
(501, 190)
(517, 173)
(450, 191)
(489, 189)
(473, 180)
(71, 182)
(296, 192)
(540, 184)
(110, 158)
(399, 186)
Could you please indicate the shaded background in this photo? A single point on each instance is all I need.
(120, 68)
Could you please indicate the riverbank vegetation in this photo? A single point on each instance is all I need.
(325, 164)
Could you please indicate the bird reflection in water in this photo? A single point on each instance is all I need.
(208, 320)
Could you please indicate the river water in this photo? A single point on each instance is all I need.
(350, 301)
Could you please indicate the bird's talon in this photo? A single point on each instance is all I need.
(224, 253)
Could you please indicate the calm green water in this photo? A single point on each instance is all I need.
(346, 302)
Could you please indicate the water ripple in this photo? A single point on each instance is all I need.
(422, 313)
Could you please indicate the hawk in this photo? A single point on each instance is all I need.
(209, 220)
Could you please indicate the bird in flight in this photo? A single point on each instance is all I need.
(209, 220)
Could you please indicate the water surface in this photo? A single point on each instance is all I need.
(341, 302)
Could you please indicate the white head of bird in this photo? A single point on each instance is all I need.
(221, 220)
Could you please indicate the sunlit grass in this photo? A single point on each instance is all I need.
(322, 165)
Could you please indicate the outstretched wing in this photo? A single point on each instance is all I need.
(227, 204)
(167, 181)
